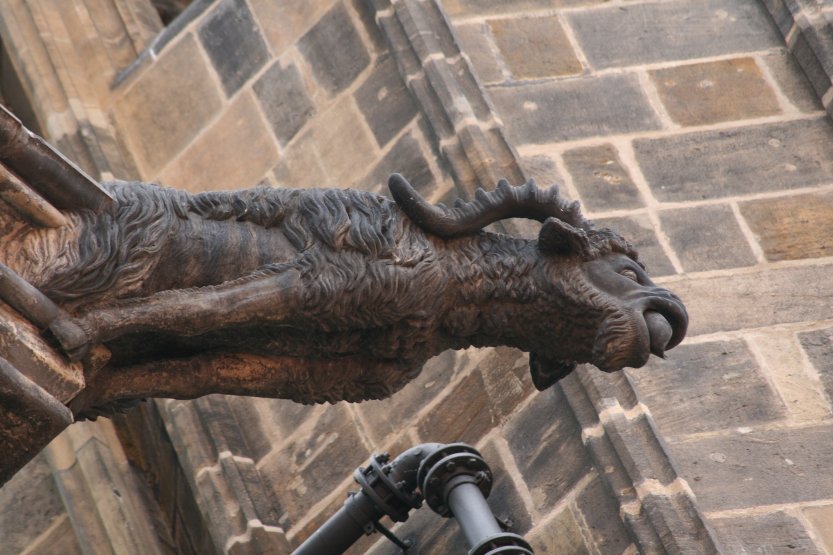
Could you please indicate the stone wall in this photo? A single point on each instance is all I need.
(684, 124)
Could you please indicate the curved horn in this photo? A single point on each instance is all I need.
(525, 201)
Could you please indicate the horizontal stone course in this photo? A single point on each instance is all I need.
(706, 387)
(739, 160)
(736, 470)
(668, 31)
(756, 299)
(574, 109)
(767, 533)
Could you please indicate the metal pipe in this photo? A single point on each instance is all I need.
(344, 528)
(469, 507)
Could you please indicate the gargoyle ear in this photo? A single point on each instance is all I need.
(547, 371)
(558, 237)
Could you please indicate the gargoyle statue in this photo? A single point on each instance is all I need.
(327, 295)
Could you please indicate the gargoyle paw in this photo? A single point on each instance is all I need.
(75, 340)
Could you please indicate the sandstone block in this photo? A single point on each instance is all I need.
(706, 387)
(233, 42)
(700, 94)
(707, 238)
(775, 532)
(793, 227)
(738, 161)
(535, 47)
(574, 109)
(156, 117)
(284, 22)
(639, 230)
(334, 50)
(601, 180)
(248, 152)
(737, 470)
(384, 101)
(546, 441)
(792, 81)
(476, 44)
(285, 100)
(666, 31)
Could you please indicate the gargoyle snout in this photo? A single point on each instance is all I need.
(667, 322)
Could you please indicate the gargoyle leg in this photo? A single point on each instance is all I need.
(307, 380)
(265, 296)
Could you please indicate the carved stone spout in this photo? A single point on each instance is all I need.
(327, 295)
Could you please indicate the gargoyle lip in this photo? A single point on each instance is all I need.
(667, 322)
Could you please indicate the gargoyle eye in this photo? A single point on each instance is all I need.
(630, 274)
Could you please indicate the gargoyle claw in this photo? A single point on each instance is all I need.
(74, 340)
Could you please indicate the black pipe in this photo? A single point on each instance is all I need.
(454, 480)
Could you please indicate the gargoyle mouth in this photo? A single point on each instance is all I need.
(667, 322)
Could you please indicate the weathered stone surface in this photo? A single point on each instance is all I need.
(338, 141)
(322, 454)
(706, 387)
(640, 232)
(406, 158)
(233, 42)
(31, 503)
(820, 518)
(247, 146)
(793, 227)
(574, 109)
(390, 416)
(818, 345)
(300, 167)
(57, 540)
(535, 47)
(24, 347)
(807, 57)
(707, 238)
(284, 99)
(545, 439)
(467, 414)
(334, 50)
(601, 180)
(602, 520)
(756, 299)
(475, 43)
(699, 94)
(505, 500)
(737, 470)
(738, 161)
(155, 118)
(776, 533)
(384, 101)
(792, 81)
(489, 7)
(284, 22)
(558, 534)
(655, 32)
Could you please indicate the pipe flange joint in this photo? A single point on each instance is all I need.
(391, 496)
(448, 467)
(502, 544)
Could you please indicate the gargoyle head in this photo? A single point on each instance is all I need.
(597, 303)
